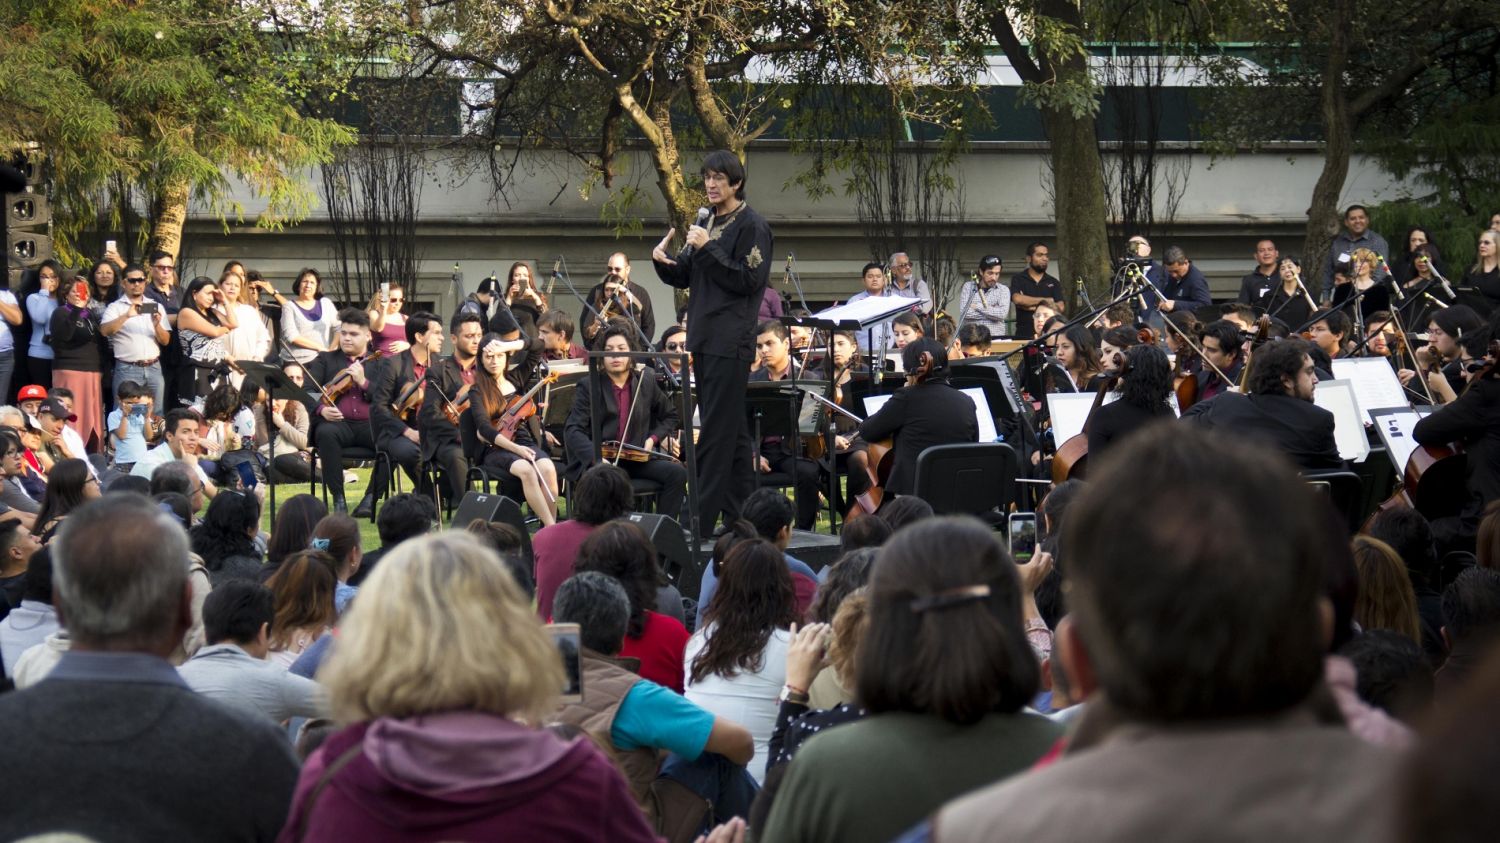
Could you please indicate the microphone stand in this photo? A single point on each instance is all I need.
(1182, 335)
(568, 282)
(796, 279)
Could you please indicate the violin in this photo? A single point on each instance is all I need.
(615, 451)
(458, 405)
(341, 383)
(519, 408)
(409, 399)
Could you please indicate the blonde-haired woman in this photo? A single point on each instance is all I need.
(1363, 265)
(1484, 275)
(441, 673)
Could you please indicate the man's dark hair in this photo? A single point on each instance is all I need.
(10, 533)
(235, 611)
(772, 326)
(419, 323)
(907, 509)
(602, 494)
(863, 532)
(1352, 208)
(1174, 255)
(1471, 605)
(176, 417)
(1337, 320)
(1458, 321)
(171, 477)
(1408, 532)
(1392, 672)
(464, 315)
(1274, 361)
(927, 652)
(353, 315)
(506, 541)
(617, 328)
(973, 333)
(598, 604)
(1120, 314)
(1240, 309)
(1228, 335)
(726, 162)
(158, 254)
(1033, 246)
(177, 505)
(405, 516)
(769, 511)
(872, 265)
(1153, 628)
(38, 582)
(559, 321)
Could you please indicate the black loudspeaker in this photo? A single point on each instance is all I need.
(671, 550)
(26, 220)
(27, 209)
(494, 509)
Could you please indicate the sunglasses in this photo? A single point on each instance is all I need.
(676, 346)
(130, 280)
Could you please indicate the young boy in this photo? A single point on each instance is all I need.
(129, 432)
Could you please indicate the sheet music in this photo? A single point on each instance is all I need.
(987, 430)
(1374, 382)
(868, 311)
(1337, 397)
(1395, 429)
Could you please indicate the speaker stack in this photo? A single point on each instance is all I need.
(494, 509)
(28, 219)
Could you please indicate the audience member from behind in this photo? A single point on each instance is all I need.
(944, 673)
(849, 574)
(1393, 673)
(1410, 535)
(1386, 599)
(29, 623)
(1172, 696)
(292, 531)
(621, 550)
(907, 509)
(338, 536)
(303, 589)
(158, 755)
(442, 672)
(505, 540)
(861, 532)
(226, 538)
(638, 719)
(232, 669)
(771, 514)
(1447, 787)
(602, 494)
(1471, 625)
(401, 517)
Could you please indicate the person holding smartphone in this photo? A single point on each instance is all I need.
(130, 425)
(78, 363)
(137, 330)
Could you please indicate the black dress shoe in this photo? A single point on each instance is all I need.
(366, 508)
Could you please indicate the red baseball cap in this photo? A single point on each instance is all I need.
(32, 393)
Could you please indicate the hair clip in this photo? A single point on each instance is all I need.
(951, 597)
(320, 544)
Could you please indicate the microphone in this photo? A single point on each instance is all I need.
(1391, 277)
(557, 268)
(1439, 276)
(687, 251)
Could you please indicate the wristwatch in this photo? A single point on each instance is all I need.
(793, 695)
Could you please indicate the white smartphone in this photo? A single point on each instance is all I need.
(109, 246)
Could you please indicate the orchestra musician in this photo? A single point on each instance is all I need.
(1439, 358)
(615, 296)
(925, 412)
(555, 330)
(400, 378)
(1287, 301)
(1145, 386)
(906, 328)
(725, 270)
(673, 341)
(852, 454)
(777, 454)
(346, 422)
(518, 453)
(633, 411)
(1224, 348)
(443, 401)
(1473, 421)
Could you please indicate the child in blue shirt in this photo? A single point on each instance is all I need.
(130, 430)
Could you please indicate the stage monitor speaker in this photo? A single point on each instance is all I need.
(27, 210)
(494, 509)
(671, 550)
(27, 248)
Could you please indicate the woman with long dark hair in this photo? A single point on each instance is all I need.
(621, 550)
(295, 522)
(1078, 352)
(226, 538)
(78, 361)
(70, 485)
(737, 661)
(104, 284)
(281, 427)
(202, 324)
(40, 305)
(517, 454)
(523, 298)
(1145, 387)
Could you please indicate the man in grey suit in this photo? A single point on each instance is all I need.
(113, 745)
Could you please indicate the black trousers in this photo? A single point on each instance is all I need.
(450, 458)
(804, 474)
(406, 454)
(725, 476)
(672, 478)
(332, 438)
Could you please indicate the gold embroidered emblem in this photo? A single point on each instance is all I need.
(754, 259)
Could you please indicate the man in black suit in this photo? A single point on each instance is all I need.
(446, 382)
(625, 298)
(346, 424)
(113, 745)
(925, 412)
(651, 428)
(395, 434)
(725, 268)
(1279, 411)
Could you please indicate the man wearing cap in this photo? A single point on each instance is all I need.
(30, 400)
(985, 301)
(53, 416)
(137, 337)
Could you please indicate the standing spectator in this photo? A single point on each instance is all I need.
(1485, 273)
(387, 322)
(1171, 698)
(309, 320)
(165, 291)
(1265, 277)
(1419, 257)
(736, 663)
(303, 587)
(876, 339)
(621, 550)
(34, 618)
(138, 330)
(1356, 235)
(985, 301)
(226, 538)
(10, 317)
(104, 285)
(525, 301)
(602, 494)
(203, 322)
(158, 754)
(1183, 286)
(78, 362)
(439, 668)
(1031, 288)
(904, 282)
(39, 305)
(250, 338)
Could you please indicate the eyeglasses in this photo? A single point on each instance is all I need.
(163, 267)
(676, 346)
(900, 266)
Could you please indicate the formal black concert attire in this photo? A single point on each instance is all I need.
(1023, 283)
(1118, 419)
(391, 376)
(441, 443)
(354, 431)
(1488, 285)
(783, 457)
(918, 417)
(858, 482)
(1474, 421)
(1210, 385)
(1300, 429)
(652, 414)
(1377, 298)
(726, 279)
(1291, 308)
(642, 314)
(496, 459)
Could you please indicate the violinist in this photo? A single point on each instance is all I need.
(1330, 332)
(974, 339)
(1473, 420)
(1112, 347)
(449, 380)
(555, 329)
(1223, 347)
(633, 412)
(1078, 353)
(926, 412)
(1185, 359)
(1144, 388)
(773, 344)
(343, 374)
(617, 296)
(399, 390)
(1439, 358)
(496, 386)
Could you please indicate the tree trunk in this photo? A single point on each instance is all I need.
(1078, 189)
(171, 207)
(1338, 135)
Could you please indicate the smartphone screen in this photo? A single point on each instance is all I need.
(1022, 536)
(148, 307)
(569, 647)
(247, 475)
(81, 290)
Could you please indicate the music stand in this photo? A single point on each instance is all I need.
(775, 406)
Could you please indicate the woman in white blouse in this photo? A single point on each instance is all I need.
(308, 321)
(250, 338)
(736, 664)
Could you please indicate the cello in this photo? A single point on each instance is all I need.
(881, 455)
(1070, 458)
